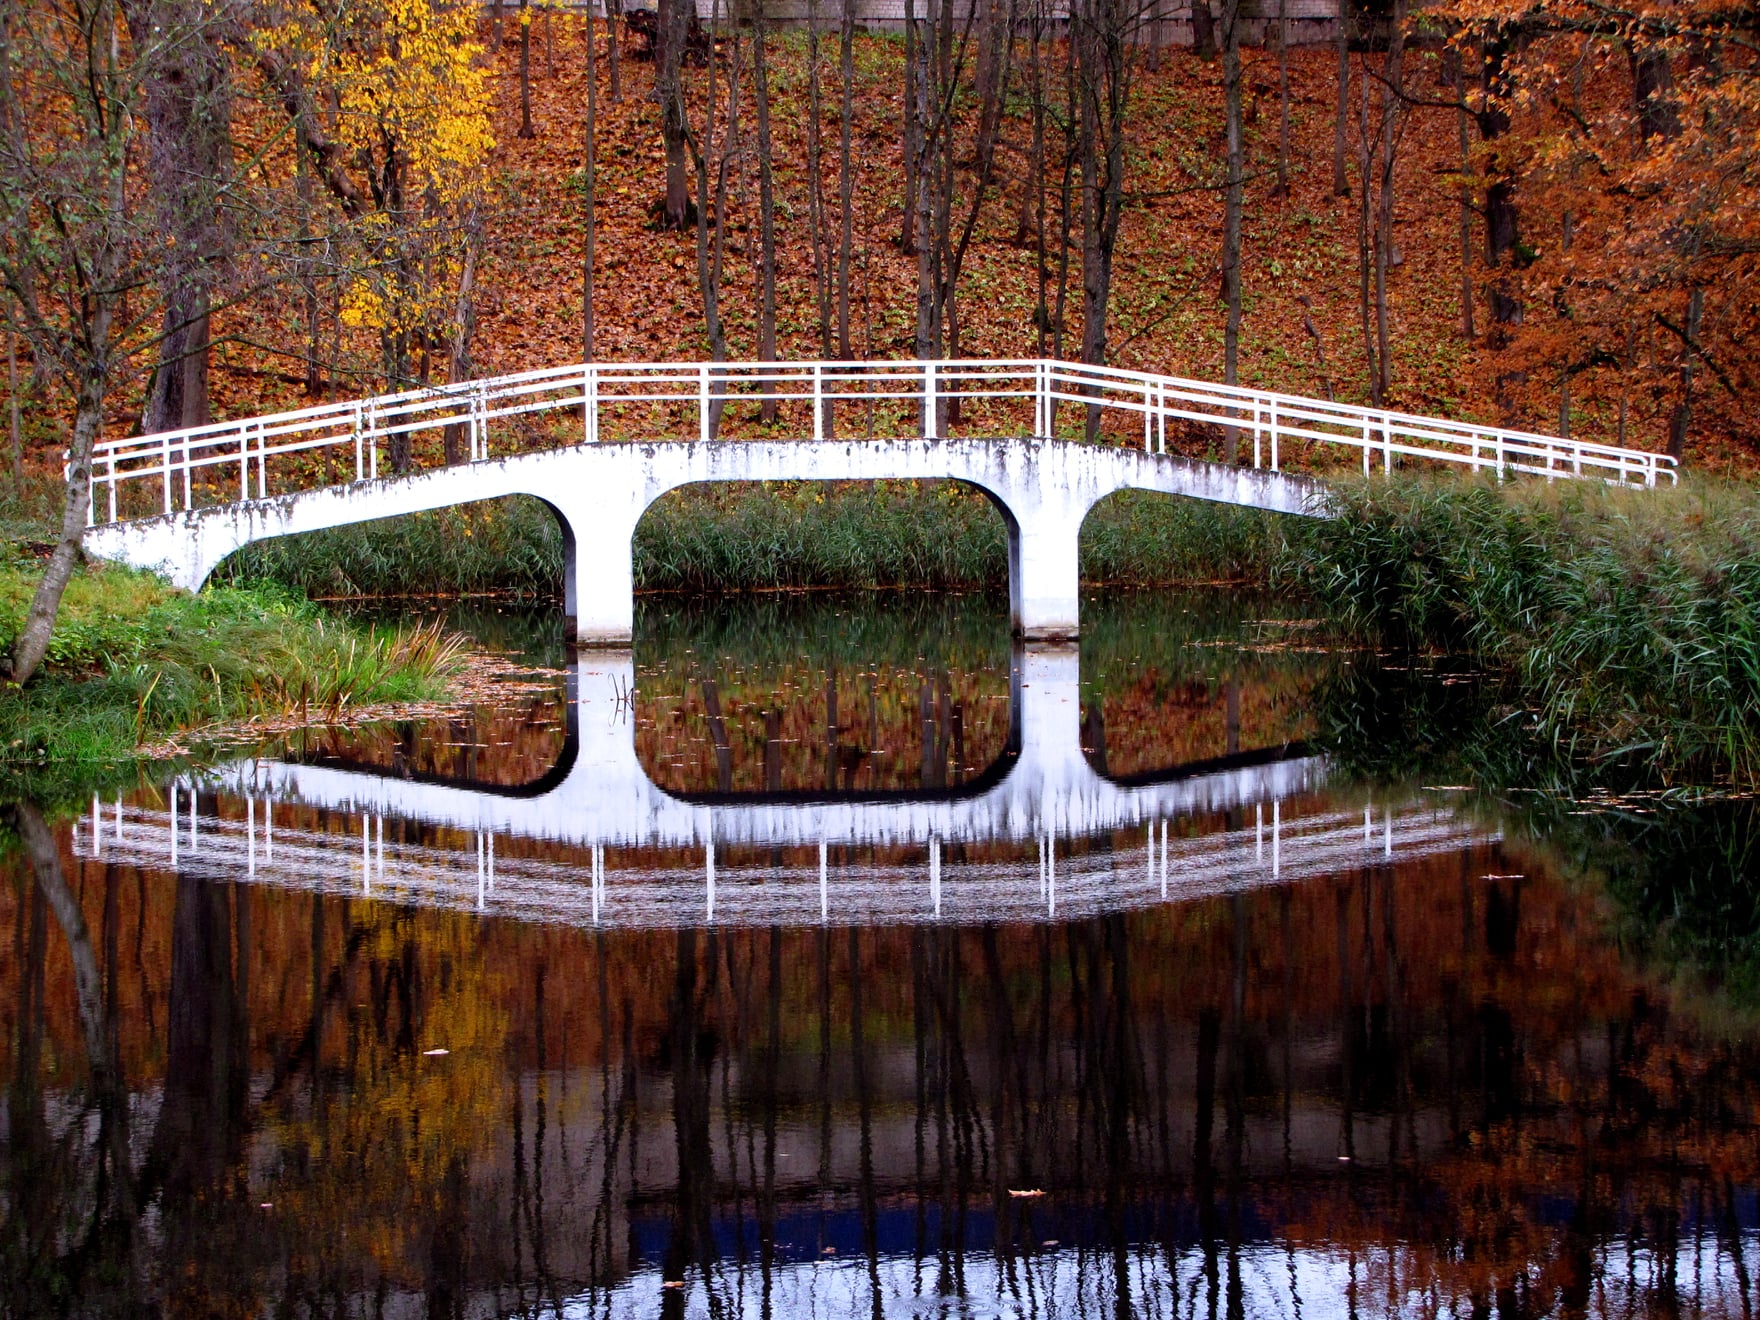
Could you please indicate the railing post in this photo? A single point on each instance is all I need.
(1500, 456)
(1041, 399)
(818, 401)
(188, 457)
(703, 401)
(931, 410)
(372, 442)
(1365, 446)
(1148, 432)
(244, 462)
(262, 464)
(110, 461)
(359, 470)
(1386, 445)
(165, 467)
(1275, 457)
(590, 404)
(1161, 416)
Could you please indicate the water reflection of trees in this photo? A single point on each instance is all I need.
(1443, 1079)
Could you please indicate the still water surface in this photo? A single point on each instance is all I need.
(832, 958)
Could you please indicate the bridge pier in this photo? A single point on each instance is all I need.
(1044, 575)
(598, 591)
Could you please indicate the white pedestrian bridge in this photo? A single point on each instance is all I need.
(600, 442)
(1041, 836)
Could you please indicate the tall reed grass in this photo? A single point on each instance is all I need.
(1628, 622)
(755, 537)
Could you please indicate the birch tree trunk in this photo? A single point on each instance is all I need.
(32, 643)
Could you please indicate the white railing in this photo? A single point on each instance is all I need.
(223, 461)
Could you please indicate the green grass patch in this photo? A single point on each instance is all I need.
(132, 661)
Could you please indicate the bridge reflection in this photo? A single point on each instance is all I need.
(1039, 835)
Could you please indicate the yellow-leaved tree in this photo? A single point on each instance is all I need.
(390, 101)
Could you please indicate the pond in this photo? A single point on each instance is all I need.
(831, 956)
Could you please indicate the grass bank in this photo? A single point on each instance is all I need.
(1625, 625)
(756, 537)
(133, 661)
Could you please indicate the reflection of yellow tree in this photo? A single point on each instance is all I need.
(373, 1169)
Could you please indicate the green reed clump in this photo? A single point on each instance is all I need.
(808, 534)
(1142, 538)
(1629, 621)
(133, 661)
(765, 536)
(511, 547)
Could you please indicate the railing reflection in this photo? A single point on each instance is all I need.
(656, 859)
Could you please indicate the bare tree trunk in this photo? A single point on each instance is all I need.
(12, 410)
(1065, 210)
(1681, 421)
(32, 642)
(1392, 92)
(1231, 214)
(766, 211)
(1341, 184)
(1034, 204)
(1282, 98)
(614, 45)
(1203, 30)
(913, 120)
(817, 229)
(1366, 234)
(845, 177)
(711, 249)
(188, 113)
(306, 269)
(495, 25)
(1103, 64)
(525, 70)
(669, 91)
(1502, 219)
(993, 80)
(459, 367)
(1466, 194)
(1652, 85)
(921, 217)
(590, 171)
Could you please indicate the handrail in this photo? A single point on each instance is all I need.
(191, 465)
